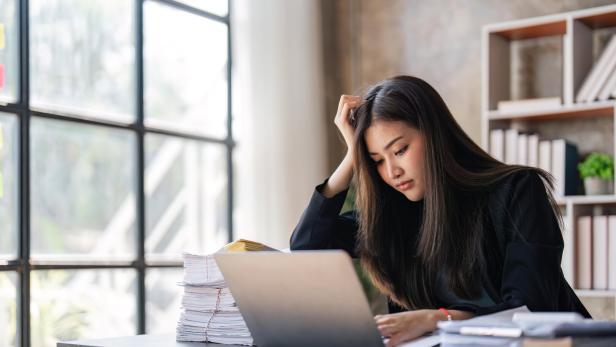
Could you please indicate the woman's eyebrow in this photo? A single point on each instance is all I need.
(388, 145)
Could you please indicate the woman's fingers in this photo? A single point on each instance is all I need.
(347, 102)
(383, 319)
(400, 337)
(348, 98)
(394, 340)
(388, 329)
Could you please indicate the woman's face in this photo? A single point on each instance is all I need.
(398, 152)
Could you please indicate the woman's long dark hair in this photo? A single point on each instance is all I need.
(458, 177)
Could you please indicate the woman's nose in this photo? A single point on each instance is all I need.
(394, 171)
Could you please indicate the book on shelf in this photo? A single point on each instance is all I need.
(529, 105)
(604, 74)
(583, 253)
(598, 73)
(545, 155)
(533, 150)
(567, 263)
(522, 149)
(611, 254)
(599, 252)
(511, 146)
(610, 86)
(497, 144)
(564, 167)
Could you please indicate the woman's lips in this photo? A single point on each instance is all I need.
(406, 185)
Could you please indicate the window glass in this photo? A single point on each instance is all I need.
(9, 51)
(9, 183)
(8, 308)
(218, 7)
(185, 63)
(82, 191)
(164, 297)
(82, 57)
(186, 196)
(81, 304)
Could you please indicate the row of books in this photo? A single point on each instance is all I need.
(595, 252)
(557, 157)
(600, 84)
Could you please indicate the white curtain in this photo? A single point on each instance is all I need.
(278, 110)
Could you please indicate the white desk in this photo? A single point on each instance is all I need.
(165, 340)
(168, 340)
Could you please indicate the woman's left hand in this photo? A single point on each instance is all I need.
(404, 326)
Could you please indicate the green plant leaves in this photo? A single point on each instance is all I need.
(597, 165)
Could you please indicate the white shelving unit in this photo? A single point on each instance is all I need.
(577, 30)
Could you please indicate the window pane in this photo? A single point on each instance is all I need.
(186, 196)
(8, 308)
(219, 7)
(9, 200)
(78, 304)
(9, 51)
(82, 191)
(82, 57)
(163, 299)
(185, 71)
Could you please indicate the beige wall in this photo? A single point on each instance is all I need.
(438, 40)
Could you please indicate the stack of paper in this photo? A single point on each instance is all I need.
(209, 312)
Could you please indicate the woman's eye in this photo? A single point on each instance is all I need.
(402, 150)
(378, 162)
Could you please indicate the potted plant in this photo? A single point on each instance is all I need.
(597, 171)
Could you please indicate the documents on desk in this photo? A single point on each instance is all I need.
(498, 328)
(209, 312)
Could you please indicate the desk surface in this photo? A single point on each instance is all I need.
(164, 340)
(168, 340)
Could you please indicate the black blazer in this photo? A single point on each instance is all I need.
(524, 241)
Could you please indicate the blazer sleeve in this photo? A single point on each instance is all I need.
(531, 242)
(321, 226)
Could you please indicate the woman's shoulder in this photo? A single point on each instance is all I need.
(524, 181)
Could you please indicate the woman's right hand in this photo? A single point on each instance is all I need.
(342, 176)
(342, 120)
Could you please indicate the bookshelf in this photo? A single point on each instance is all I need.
(577, 39)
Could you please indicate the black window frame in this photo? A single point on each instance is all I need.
(23, 265)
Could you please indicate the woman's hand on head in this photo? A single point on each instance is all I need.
(342, 120)
(342, 176)
(405, 326)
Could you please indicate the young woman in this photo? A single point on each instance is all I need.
(442, 228)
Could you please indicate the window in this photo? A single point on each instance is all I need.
(115, 157)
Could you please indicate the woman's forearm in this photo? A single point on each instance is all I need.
(340, 179)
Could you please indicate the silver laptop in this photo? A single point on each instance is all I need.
(304, 298)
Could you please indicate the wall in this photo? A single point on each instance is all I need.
(440, 41)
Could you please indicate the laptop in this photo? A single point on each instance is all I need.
(304, 298)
